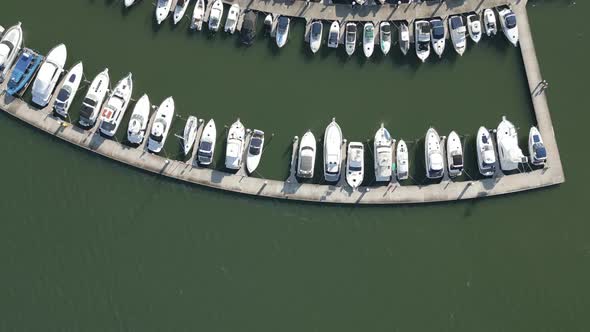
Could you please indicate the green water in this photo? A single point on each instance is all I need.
(90, 244)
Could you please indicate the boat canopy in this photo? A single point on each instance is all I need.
(63, 94)
(316, 28)
(456, 22)
(510, 21)
(540, 151)
(386, 28)
(438, 32)
(255, 145)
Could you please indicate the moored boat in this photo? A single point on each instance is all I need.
(433, 155)
(454, 154)
(234, 149)
(255, 149)
(315, 36)
(422, 36)
(404, 37)
(306, 156)
(129, 3)
(509, 27)
(334, 35)
(248, 31)
(383, 155)
(474, 27)
(537, 150)
(68, 90)
(48, 75)
(139, 120)
(215, 16)
(179, 10)
(509, 152)
(115, 106)
(282, 31)
(402, 161)
(26, 66)
(162, 10)
(458, 32)
(189, 134)
(161, 126)
(355, 164)
(437, 34)
(10, 46)
(486, 155)
(332, 152)
(368, 39)
(207, 144)
(489, 20)
(232, 18)
(198, 14)
(94, 97)
(350, 37)
(385, 37)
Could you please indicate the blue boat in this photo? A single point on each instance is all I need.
(25, 68)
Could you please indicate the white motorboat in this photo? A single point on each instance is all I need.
(189, 135)
(129, 3)
(509, 152)
(350, 37)
(162, 10)
(232, 18)
(486, 155)
(383, 155)
(268, 19)
(509, 27)
(489, 20)
(68, 90)
(234, 149)
(368, 39)
(334, 35)
(161, 126)
(282, 30)
(48, 75)
(315, 36)
(537, 150)
(207, 144)
(422, 36)
(10, 46)
(215, 16)
(139, 120)
(179, 10)
(454, 155)
(355, 164)
(437, 35)
(404, 37)
(306, 156)
(198, 14)
(255, 149)
(332, 152)
(385, 37)
(474, 27)
(114, 109)
(94, 97)
(458, 33)
(433, 155)
(402, 161)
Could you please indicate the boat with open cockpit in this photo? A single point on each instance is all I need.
(139, 120)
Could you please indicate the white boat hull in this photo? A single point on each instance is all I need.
(383, 155)
(10, 47)
(454, 155)
(486, 154)
(402, 161)
(536, 157)
(234, 150)
(368, 39)
(306, 156)
(48, 75)
(253, 158)
(189, 134)
(198, 13)
(139, 120)
(355, 164)
(179, 12)
(162, 10)
(206, 149)
(232, 18)
(334, 35)
(115, 107)
(332, 152)
(490, 24)
(161, 126)
(72, 82)
(215, 16)
(433, 155)
(509, 152)
(94, 98)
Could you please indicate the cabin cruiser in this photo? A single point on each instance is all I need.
(458, 32)
(454, 155)
(315, 36)
(255, 149)
(437, 34)
(49, 74)
(179, 10)
(368, 39)
(350, 37)
(115, 106)
(508, 23)
(422, 36)
(537, 151)
(248, 31)
(383, 155)
(355, 164)
(198, 14)
(26, 66)
(402, 161)
(334, 35)
(94, 98)
(207, 144)
(404, 37)
(68, 90)
(234, 149)
(162, 10)
(385, 37)
(215, 16)
(508, 150)
(489, 20)
(10, 46)
(332, 152)
(232, 18)
(474, 27)
(282, 31)
(161, 127)
(189, 135)
(433, 155)
(139, 120)
(306, 160)
(486, 155)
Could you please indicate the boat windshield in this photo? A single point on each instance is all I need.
(205, 148)
(456, 22)
(157, 138)
(316, 29)
(540, 151)
(283, 22)
(511, 21)
(351, 36)
(438, 32)
(23, 62)
(63, 94)
(356, 168)
(107, 126)
(255, 145)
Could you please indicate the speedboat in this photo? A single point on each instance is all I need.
(474, 27)
(26, 66)
(383, 150)
(268, 20)
(332, 152)
(385, 37)
(215, 16)
(315, 36)
(433, 155)
(422, 36)
(255, 149)
(161, 127)
(179, 10)
(508, 150)
(234, 149)
(437, 34)
(114, 109)
(139, 120)
(486, 155)
(48, 75)
(129, 3)
(458, 32)
(368, 39)
(404, 37)
(306, 159)
(68, 90)
(454, 154)
(198, 13)
(350, 33)
(189, 134)
(232, 18)
(207, 144)
(94, 98)
(162, 10)
(402, 161)
(10, 45)
(282, 30)
(334, 35)
(248, 31)
(537, 151)
(355, 164)
(489, 20)
(508, 23)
